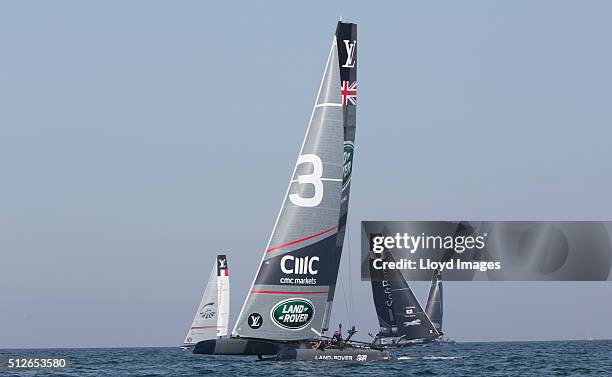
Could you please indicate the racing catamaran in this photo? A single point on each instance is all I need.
(401, 317)
(212, 316)
(289, 304)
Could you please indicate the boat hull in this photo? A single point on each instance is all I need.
(395, 343)
(269, 350)
(233, 346)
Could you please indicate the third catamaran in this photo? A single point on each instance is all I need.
(434, 307)
(212, 316)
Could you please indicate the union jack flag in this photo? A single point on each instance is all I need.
(349, 93)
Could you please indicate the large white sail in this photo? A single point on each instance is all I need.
(212, 316)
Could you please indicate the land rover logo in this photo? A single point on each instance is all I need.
(293, 313)
(347, 164)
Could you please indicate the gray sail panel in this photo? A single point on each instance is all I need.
(434, 307)
(290, 292)
(312, 202)
(304, 213)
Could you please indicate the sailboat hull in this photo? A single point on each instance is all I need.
(395, 342)
(233, 346)
(282, 352)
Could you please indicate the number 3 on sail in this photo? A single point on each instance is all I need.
(314, 179)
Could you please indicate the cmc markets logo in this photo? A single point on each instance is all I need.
(293, 313)
(301, 270)
(347, 166)
(299, 266)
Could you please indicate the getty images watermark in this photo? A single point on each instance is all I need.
(484, 250)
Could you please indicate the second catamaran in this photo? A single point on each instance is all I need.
(400, 315)
(212, 316)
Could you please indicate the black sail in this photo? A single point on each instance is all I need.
(383, 301)
(411, 319)
(407, 318)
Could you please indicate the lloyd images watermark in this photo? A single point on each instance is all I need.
(484, 250)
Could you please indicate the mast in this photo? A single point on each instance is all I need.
(293, 289)
(223, 294)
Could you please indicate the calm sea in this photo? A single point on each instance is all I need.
(576, 358)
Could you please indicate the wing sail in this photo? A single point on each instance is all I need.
(399, 312)
(212, 316)
(294, 286)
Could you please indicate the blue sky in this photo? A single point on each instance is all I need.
(139, 139)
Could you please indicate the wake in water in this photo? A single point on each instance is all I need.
(429, 357)
(406, 358)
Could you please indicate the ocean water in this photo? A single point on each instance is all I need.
(575, 358)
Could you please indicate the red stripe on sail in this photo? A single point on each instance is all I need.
(300, 240)
(288, 293)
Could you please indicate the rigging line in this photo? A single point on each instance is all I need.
(350, 269)
(344, 293)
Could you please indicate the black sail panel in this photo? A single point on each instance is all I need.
(412, 322)
(381, 293)
(383, 301)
